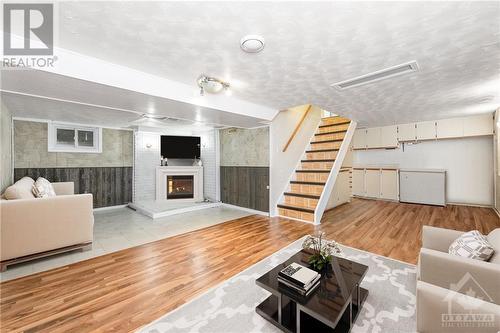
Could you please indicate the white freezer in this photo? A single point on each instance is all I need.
(424, 186)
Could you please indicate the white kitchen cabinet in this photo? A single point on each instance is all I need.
(407, 132)
(345, 187)
(450, 128)
(478, 125)
(389, 184)
(334, 199)
(358, 182)
(426, 130)
(341, 192)
(389, 136)
(373, 137)
(359, 139)
(372, 183)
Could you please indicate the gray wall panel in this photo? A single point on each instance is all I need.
(110, 186)
(245, 186)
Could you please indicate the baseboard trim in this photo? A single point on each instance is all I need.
(330, 209)
(469, 205)
(100, 209)
(378, 199)
(298, 220)
(496, 211)
(416, 203)
(254, 211)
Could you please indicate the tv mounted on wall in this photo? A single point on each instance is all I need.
(180, 146)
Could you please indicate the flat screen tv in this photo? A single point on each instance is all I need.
(180, 146)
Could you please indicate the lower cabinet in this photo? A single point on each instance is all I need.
(341, 192)
(372, 183)
(376, 183)
(389, 184)
(358, 182)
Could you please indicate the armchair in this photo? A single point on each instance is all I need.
(449, 285)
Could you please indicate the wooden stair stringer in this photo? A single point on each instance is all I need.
(334, 172)
(299, 201)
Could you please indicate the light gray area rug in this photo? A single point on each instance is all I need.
(230, 306)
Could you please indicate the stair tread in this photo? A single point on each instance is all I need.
(298, 208)
(313, 170)
(321, 160)
(341, 123)
(294, 194)
(304, 182)
(332, 132)
(326, 141)
(321, 150)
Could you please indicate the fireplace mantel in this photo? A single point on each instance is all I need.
(162, 172)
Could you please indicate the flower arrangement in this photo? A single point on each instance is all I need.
(322, 251)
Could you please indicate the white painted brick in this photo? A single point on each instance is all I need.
(146, 160)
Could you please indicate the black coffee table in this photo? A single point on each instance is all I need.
(332, 307)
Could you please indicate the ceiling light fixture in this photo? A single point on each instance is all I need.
(386, 73)
(153, 116)
(252, 43)
(211, 85)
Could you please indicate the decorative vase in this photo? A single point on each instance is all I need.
(319, 262)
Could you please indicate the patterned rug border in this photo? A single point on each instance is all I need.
(249, 267)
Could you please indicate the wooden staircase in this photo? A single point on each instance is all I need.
(301, 199)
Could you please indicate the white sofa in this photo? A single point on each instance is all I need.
(36, 227)
(448, 284)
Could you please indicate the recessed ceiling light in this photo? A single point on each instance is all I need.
(252, 43)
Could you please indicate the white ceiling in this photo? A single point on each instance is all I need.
(46, 109)
(97, 104)
(309, 45)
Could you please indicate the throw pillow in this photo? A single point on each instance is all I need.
(472, 245)
(20, 190)
(494, 239)
(43, 188)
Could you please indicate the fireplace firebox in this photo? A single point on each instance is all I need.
(180, 187)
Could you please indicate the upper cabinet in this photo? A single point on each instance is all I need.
(450, 128)
(389, 136)
(373, 138)
(478, 125)
(359, 139)
(426, 130)
(407, 132)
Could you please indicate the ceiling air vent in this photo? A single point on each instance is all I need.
(386, 73)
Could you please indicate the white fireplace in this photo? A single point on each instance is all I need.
(179, 183)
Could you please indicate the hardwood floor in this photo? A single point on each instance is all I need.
(122, 291)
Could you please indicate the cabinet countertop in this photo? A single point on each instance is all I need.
(396, 167)
(423, 170)
(377, 166)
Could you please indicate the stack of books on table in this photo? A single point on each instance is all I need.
(299, 278)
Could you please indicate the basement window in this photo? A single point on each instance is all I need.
(74, 139)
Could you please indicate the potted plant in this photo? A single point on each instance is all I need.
(321, 251)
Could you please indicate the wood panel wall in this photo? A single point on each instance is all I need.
(110, 186)
(245, 186)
